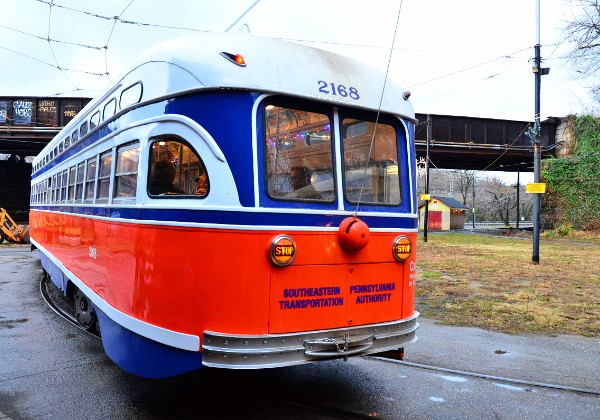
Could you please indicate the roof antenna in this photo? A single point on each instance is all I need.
(240, 17)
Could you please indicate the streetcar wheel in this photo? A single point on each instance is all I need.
(84, 311)
(2, 236)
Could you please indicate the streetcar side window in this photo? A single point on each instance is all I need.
(95, 120)
(131, 95)
(71, 184)
(79, 183)
(110, 109)
(53, 190)
(176, 170)
(371, 172)
(45, 190)
(90, 180)
(83, 129)
(58, 188)
(104, 177)
(299, 156)
(63, 193)
(128, 157)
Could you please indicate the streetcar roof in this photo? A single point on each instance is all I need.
(278, 66)
(193, 63)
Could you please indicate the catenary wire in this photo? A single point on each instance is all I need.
(378, 110)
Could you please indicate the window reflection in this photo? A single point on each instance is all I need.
(299, 155)
(104, 177)
(128, 157)
(370, 172)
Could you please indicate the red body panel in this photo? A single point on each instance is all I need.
(190, 279)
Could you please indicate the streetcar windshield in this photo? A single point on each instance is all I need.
(299, 151)
(370, 153)
(299, 157)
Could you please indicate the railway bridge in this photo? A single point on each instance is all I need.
(27, 124)
(482, 144)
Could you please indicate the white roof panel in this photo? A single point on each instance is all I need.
(277, 66)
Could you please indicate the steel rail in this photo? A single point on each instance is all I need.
(486, 376)
(58, 309)
(326, 409)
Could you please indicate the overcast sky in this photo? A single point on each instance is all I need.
(462, 57)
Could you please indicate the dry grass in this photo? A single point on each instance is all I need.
(490, 282)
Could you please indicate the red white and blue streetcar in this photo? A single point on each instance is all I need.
(238, 202)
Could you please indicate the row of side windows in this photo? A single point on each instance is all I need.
(128, 97)
(176, 171)
(83, 183)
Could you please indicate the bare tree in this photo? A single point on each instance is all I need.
(526, 204)
(583, 32)
(503, 202)
(465, 184)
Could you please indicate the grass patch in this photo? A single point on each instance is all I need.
(490, 282)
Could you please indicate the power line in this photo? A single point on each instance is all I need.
(48, 39)
(469, 84)
(509, 56)
(118, 18)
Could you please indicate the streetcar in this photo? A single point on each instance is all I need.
(235, 201)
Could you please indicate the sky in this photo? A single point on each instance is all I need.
(462, 57)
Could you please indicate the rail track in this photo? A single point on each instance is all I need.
(64, 308)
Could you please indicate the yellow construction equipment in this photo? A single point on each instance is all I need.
(10, 231)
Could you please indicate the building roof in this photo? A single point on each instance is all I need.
(448, 201)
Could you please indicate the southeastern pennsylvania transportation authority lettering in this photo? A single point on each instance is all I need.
(368, 293)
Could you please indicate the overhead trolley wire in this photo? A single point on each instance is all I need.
(509, 56)
(470, 84)
(48, 39)
(387, 70)
(118, 18)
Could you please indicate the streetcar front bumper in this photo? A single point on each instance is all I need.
(277, 350)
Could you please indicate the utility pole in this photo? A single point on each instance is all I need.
(518, 194)
(426, 221)
(534, 134)
(473, 213)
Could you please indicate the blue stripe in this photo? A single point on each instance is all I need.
(238, 218)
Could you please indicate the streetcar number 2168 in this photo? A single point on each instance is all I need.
(330, 88)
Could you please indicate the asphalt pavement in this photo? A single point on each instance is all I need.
(565, 360)
(49, 369)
